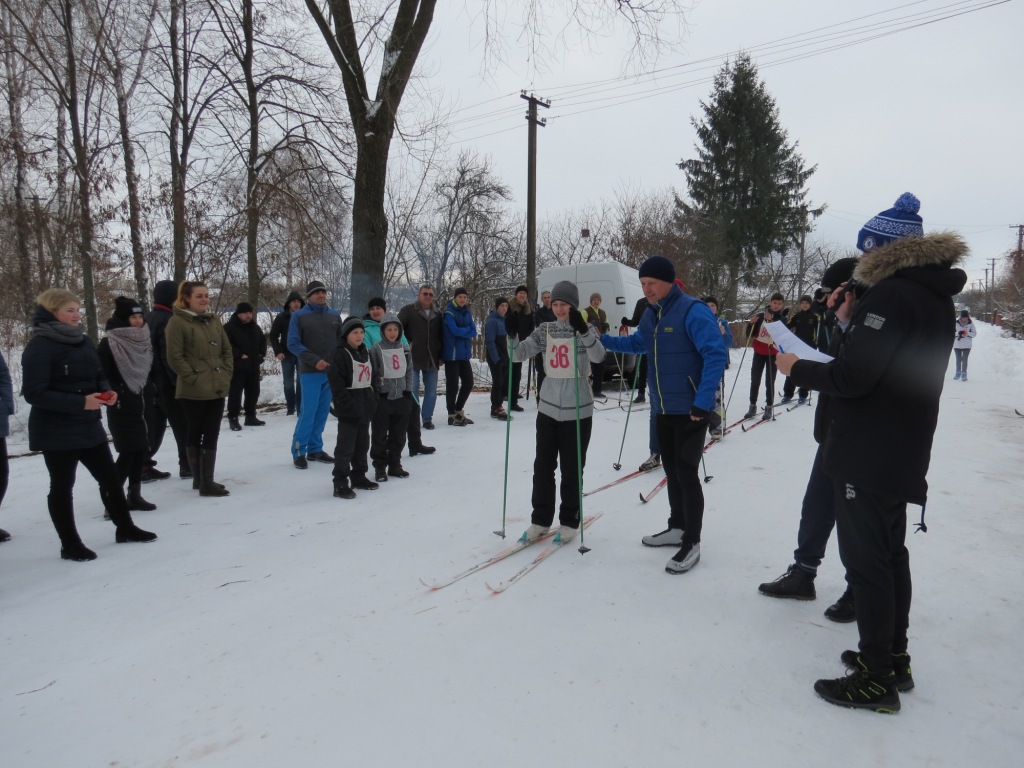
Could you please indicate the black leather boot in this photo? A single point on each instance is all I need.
(207, 485)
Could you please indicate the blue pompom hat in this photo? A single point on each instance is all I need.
(899, 221)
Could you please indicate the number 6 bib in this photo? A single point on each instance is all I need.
(559, 361)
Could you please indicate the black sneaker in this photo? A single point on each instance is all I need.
(428, 424)
(861, 690)
(381, 476)
(152, 474)
(426, 450)
(397, 471)
(235, 426)
(517, 408)
(900, 668)
(252, 421)
(322, 456)
(344, 492)
(795, 583)
(842, 610)
(300, 462)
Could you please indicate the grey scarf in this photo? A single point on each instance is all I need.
(61, 332)
(133, 355)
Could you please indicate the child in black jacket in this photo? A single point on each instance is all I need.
(354, 378)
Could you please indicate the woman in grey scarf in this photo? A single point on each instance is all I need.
(126, 354)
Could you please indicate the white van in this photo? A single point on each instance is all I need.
(620, 290)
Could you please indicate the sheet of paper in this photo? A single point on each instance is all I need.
(787, 341)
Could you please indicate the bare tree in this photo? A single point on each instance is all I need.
(363, 37)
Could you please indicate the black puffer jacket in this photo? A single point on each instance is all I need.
(888, 377)
(353, 405)
(164, 294)
(56, 377)
(279, 328)
(246, 339)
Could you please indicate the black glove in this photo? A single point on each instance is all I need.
(577, 322)
(625, 321)
(711, 417)
(407, 395)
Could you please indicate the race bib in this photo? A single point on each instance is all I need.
(559, 361)
(395, 364)
(362, 374)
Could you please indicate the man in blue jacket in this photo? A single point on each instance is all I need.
(686, 359)
(313, 336)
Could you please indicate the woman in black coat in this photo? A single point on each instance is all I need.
(63, 382)
(126, 355)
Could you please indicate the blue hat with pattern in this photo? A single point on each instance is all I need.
(899, 221)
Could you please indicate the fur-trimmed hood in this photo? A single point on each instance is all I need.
(940, 252)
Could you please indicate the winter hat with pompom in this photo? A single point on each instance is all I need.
(899, 221)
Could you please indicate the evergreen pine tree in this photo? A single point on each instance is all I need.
(747, 196)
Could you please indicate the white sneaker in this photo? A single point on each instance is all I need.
(683, 560)
(566, 533)
(534, 532)
(670, 537)
(651, 463)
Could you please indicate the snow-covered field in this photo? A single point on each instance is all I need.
(282, 627)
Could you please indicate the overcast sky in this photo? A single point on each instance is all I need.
(935, 109)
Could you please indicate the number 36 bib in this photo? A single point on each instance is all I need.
(559, 360)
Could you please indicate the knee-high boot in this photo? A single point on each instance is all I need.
(207, 486)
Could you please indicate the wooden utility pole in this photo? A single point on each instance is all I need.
(1020, 241)
(531, 190)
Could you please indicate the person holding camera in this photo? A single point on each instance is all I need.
(885, 384)
(962, 343)
(686, 362)
(764, 354)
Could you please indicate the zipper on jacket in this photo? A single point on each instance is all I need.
(657, 373)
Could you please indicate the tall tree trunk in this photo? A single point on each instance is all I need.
(132, 183)
(82, 174)
(252, 207)
(21, 218)
(178, 143)
(369, 223)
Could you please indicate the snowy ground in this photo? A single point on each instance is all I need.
(280, 626)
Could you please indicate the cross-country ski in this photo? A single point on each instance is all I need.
(540, 558)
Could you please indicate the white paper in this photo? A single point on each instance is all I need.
(787, 341)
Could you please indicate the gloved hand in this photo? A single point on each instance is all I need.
(577, 322)
(625, 321)
(711, 417)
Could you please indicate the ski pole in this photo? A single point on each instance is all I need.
(636, 378)
(579, 442)
(738, 369)
(508, 429)
(707, 478)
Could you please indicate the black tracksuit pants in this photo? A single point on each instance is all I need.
(872, 544)
(757, 369)
(351, 450)
(390, 424)
(245, 382)
(556, 444)
(681, 440)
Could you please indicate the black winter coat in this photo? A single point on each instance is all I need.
(353, 405)
(888, 377)
(279, 328)
(804, 325)
(163, 376)
(126, 419)
(425, 337)
(56, 377)
(246, 339)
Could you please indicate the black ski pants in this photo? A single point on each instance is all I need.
(167, 410)
(390, 424)
(872, 543)
(245, 382)
(758, 364)
(350, 452)
(458, 383)
(556, 443)
(681, 440)
(63, 466)
(817, 518)
(499, 383)
(202, 420)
